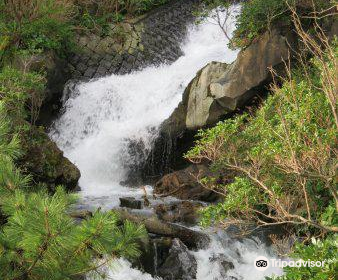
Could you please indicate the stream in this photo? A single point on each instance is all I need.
(101, 117)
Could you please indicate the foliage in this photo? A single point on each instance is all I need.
(38, 239)
(258, 16)
(323, 250)
(94, 14)
(21, 91)
(284, 156)
(35, 25)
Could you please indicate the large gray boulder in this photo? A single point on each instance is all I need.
(220, 88)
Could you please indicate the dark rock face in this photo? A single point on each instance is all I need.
(131, 202)
(57, 75)
(45, 161)
(180, 264)
(183, 184)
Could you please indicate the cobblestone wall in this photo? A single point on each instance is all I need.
(153, 39)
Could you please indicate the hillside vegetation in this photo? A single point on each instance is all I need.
(282, 160)
(33, 26)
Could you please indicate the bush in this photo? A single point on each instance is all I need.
(35, 25)
(284, 157)
(21, 91)
(98, 14)
(318, 250)
(258, 16)
(38, 238)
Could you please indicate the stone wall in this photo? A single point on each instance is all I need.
(152, 39)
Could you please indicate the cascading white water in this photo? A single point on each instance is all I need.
(102, 116)
(240, 253)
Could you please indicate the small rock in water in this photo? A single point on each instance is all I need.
(224, 264)
(131, 202)
(180, 264)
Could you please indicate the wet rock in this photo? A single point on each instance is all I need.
(179, 212)
(80, 215)
(154, 253)
(224, 264)
(137, 153)
(180, 264)
(184, 184)
(191, 238)
(131, 202)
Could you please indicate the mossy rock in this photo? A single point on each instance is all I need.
(46, 162)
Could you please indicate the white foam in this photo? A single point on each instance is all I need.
(241, 253)
(102, 116)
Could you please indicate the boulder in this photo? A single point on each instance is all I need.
(183, 184)
(220, 88)
(45, 161)
(179, 212)
(153, 254)
(131, 202)
(180, 264)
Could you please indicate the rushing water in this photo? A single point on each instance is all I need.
(240, 253)
(100, 118)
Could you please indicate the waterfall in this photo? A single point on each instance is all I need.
(101, 117)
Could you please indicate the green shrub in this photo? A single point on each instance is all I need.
(99, 14)
(35, 25)
(258, 16)
(284, 158)
(22, 94)
(38, 238)
(318, 250)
